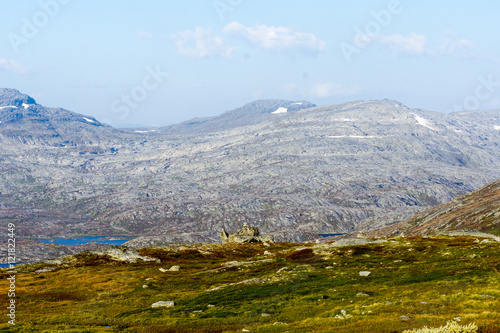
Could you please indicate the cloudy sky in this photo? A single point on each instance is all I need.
(158, 62)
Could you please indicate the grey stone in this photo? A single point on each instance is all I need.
(160, 304)
(123, 253)
(247, 234)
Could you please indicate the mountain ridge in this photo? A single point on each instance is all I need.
(475, 211)
(322, 169)
(249, 114)
(23, 120)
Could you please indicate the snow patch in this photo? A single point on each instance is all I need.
(26, 106)
(89, 120)
(497, 127)
(8, 106)
(354, 136)
(281, 110)
(296, 103)
(150, 131)
(423, 122)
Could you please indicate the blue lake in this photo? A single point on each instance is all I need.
(8, 265)
(330, 235)
(78, 241)
(84, 240)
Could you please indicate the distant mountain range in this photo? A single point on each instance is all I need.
(24, 121)
(287, 167)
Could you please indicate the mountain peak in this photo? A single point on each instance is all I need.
(249, 114)
(13, 97)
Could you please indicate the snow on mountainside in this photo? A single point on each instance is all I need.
(23, 120)
(313, 169)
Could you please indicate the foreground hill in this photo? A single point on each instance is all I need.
(384, 286)
(478, 211)
(309, 170)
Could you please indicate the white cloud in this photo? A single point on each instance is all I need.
(462, 47)
(201, 43)
(144, 34)
(14, 66)
(279, 39)
(415, 44)
(322, 89)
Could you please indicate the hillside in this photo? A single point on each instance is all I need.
(249, 114)
(323, 169)
(375, 286)
(24, 121)
(476, 211)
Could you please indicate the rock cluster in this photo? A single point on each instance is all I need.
(245, 235)
(123, 253)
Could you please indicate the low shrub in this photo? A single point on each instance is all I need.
(301, 254)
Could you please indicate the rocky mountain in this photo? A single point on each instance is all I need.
(24, 121)
(476, 211)
(293, 170)
(250, 114)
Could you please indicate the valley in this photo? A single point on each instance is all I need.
(295, 174)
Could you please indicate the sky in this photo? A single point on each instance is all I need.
(155, 63)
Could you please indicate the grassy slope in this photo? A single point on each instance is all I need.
(478, 210)
(430, 280)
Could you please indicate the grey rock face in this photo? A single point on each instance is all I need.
(249, 114)
(245, 235)
(327, 169)
(13, 98)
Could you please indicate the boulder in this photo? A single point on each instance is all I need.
(247, 234)
(123, 253)
(160, 304)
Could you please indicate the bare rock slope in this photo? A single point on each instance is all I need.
(476, 211)
(294, 171)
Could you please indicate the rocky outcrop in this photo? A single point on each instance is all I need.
(245, 235)
(123, 253)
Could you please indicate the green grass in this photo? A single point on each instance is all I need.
(429, 280)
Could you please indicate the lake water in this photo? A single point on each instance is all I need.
(330, 235)
(7, 265)
(78, 241)
(84, 240)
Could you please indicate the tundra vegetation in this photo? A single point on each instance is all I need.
(413, 283)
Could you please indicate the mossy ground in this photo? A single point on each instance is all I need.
(428, 280)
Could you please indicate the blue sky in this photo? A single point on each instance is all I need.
(162, 62)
